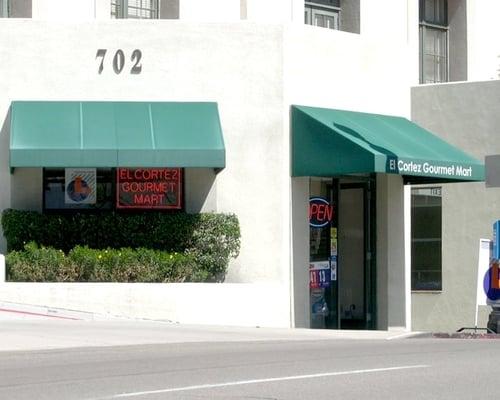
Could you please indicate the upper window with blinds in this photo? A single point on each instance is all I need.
(4, 8)
(323, 13)
(136, 9)
(434, 41)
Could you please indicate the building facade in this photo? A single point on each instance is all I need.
(309, 96)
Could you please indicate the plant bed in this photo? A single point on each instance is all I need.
(114, 247)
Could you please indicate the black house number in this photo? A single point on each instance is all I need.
(119, 61)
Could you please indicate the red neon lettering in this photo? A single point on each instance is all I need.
(329, 213)
(149, 199)
(313, 209)
(321, 212)
(153, 174)
(124, 174)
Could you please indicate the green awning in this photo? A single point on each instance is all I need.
(115, 134)
(328, 142)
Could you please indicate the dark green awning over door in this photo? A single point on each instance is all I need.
(327, 142)
(115, 134)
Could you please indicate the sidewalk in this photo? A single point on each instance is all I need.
(34, 330)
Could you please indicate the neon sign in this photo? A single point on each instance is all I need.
(149, 188)
(320, 212)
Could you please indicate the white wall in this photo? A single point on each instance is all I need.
(483, 44)
(65, 10)
(214, 10)
(275, 11)
(341, 70)
(186, 303)
(237, 65)
(393, 294)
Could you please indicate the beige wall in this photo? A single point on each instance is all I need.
(466, 115)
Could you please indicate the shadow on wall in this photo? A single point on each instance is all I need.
(4, 173)
(200, 190)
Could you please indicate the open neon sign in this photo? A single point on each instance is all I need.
(320, 212)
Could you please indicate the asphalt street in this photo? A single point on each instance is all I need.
(289, 365)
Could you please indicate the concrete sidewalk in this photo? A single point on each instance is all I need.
(30, 330)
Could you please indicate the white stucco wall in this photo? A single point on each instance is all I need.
(239, 66)
(482, 35)
(181, 62)
(254, 71)
(65, 10)
(186, 303)
(335, 69)
(215, 10)
(341, 70)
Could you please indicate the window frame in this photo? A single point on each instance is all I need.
(4, 8)
(111, 173)
(435, 26)
(122, 9)
(311, 9)
(420, 286)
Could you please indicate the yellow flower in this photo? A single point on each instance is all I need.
(99, 256)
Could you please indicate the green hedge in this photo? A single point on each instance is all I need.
(209, 239)
(81, 264)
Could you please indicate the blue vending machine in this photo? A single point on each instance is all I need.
(492, 281)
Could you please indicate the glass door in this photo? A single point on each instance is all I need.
(356, 259)
(323, 288)
(342, 257)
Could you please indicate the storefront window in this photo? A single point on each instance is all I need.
(109, 188)
(426, 221)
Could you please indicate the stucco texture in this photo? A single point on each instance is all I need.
(466, 115)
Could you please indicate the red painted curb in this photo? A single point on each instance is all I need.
(38, 314)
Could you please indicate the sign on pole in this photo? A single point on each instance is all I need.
(482, 270)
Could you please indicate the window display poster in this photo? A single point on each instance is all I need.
(80, 185)
(319, 274)
(333, 241)
(333, 267)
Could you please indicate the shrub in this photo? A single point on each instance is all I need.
(37, 264)
(42, 264)
(210, 239)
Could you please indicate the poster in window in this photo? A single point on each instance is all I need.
(319, 274)
(80, 185)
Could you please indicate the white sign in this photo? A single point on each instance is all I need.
(482, 269)
(80, 185)
(319, 265)
(425, 168)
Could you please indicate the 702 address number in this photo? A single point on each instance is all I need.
(118, 61)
